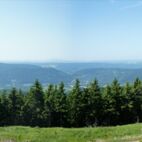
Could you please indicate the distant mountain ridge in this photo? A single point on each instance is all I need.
(107, 75)
(23, 75)
(74, 67)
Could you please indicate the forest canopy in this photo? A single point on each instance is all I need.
(93, 105)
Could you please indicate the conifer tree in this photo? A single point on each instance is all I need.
(60, 105)
(4, 110)
(74, 103)
(116, 92)
(127, 114)
(97, 104)
(34, 105)
(109, 110)
(49, 106)
(15, 105)
(137, 98)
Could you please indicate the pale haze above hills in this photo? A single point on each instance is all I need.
(70, 30)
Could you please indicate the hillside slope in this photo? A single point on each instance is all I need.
(107, 75)
(128, 133)
(24, 75)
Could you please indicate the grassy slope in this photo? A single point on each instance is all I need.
(128, 133)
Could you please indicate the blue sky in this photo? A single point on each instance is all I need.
(70, 30)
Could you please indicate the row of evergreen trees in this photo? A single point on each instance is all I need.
(78, 107)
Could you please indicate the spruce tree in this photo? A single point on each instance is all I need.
(97, 102)
(34, 105)
(137, 99)
(109, 111)
(60, 105)
(127, 113)
(74, 103)
(4, 110)
(49, 106)
(15, 105)
(116, 91)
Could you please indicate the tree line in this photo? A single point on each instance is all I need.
(93, 105)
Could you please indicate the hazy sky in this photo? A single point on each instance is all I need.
(77, 30)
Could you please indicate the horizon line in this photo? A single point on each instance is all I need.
(73, 61)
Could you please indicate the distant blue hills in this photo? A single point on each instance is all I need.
(23, 75)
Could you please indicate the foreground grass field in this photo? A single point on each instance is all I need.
(128, 133)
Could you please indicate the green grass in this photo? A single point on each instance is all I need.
(128, 133)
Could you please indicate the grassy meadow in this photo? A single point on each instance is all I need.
(128, 133)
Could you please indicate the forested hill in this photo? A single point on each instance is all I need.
(107, 75)
(75, 67)
(23, 75)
